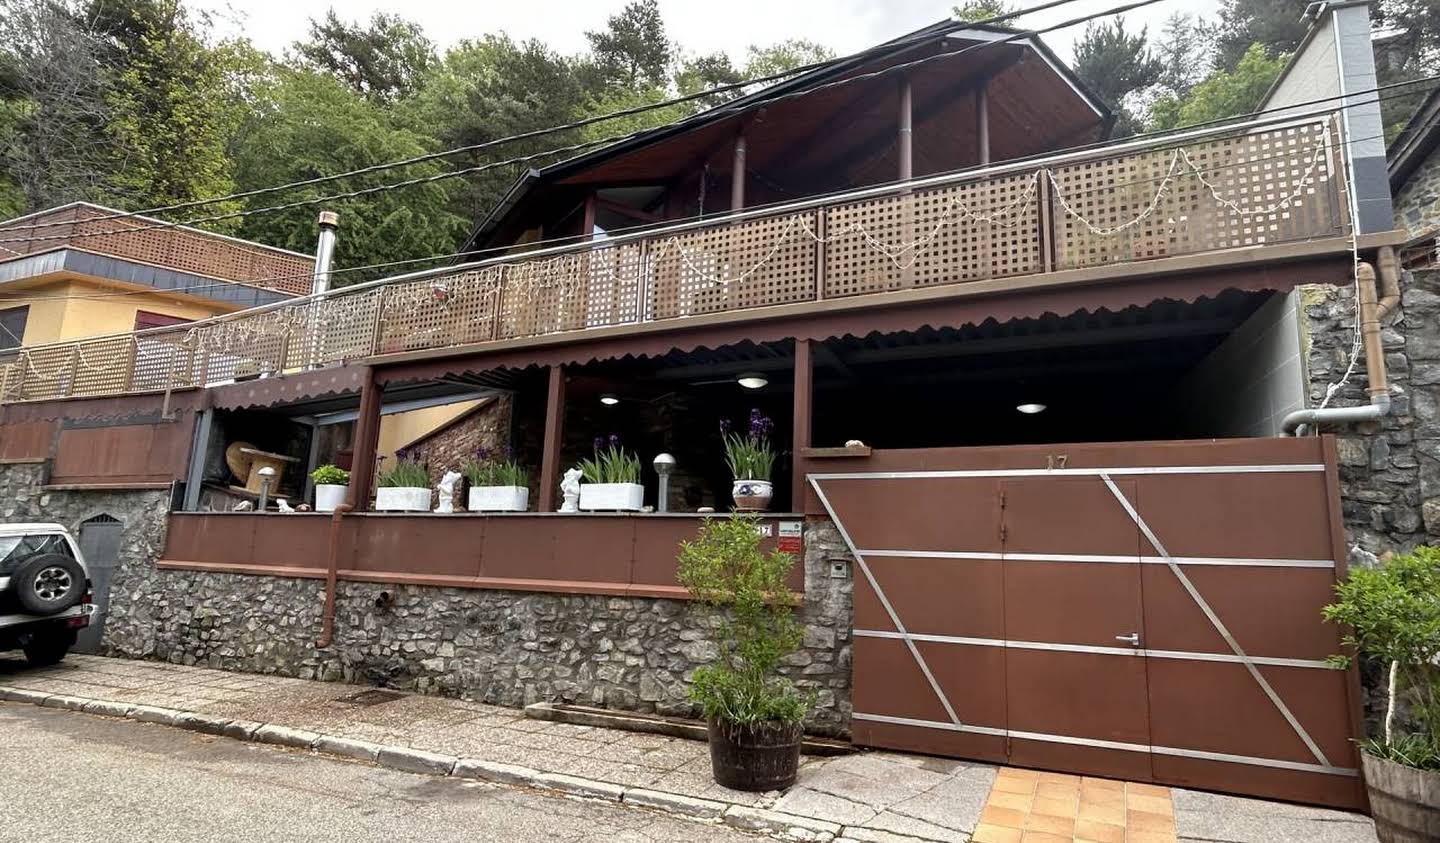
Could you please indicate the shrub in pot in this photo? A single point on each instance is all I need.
(404, 487)
(1393, 616)
(755, 715)
(332, 484)
(496, 485)
(611, 478)
(751, 460)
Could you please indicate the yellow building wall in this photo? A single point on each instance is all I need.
(400, 429)
(73, 308)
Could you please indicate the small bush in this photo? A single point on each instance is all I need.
(329, 475)
(1393, 615)
(726, 571)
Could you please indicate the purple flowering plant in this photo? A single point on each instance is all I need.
(488, 469)
(748, 453)
(611, 463)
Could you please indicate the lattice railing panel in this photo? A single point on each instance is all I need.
(963, 232)
(1280, 183)
(443, 311)
(103, 366)
(162, 361)
(338, 329)
(756, 263)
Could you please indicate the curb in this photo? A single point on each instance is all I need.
(411, 760)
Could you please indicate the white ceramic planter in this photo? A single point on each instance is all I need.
(752, 495)
(612, 496)
(329, 495)
(402, 499)
(499, 498)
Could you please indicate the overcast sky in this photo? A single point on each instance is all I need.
(843, 25)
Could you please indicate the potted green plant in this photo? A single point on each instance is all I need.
(751, 460)
(612, 478)
(754, 715)
(496, 485)
(1393, 616)
(404, 487)
(332, 484)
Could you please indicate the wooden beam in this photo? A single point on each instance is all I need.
(982, 120)
(627, 211)
(587, 220)
(801, 419)
(367, 441)
(554, 439)
(904, 143)
(737, 174)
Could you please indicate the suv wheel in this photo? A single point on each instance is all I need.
(49, 647)
(49, 583)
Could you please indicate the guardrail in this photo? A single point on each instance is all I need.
(1258, 183)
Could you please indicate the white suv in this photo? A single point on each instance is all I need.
(44, 591)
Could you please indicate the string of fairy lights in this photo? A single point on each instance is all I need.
(514, 297)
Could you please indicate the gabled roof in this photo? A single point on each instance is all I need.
(804, 81)
(1416, 142)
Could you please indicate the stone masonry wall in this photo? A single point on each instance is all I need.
(1390, 469)
(502, 647)
(1417, 204)
(456, 444)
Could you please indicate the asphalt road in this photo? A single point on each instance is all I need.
(66, 776)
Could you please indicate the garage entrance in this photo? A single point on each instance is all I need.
(1145, 611)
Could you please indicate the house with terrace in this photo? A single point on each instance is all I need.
(1070, 436)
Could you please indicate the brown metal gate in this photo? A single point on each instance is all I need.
(1147, 611)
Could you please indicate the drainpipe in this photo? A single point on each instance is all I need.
(1370, 312)
(327, 619)
(324, 257)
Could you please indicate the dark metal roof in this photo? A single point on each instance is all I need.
(725, 111)
(142, 274)
(1415, 142)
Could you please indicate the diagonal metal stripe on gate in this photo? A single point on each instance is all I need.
(885, 601)
(1215, 620)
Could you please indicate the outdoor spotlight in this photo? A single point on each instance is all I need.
(752, 380)
(1031, 409)
(664, 464)
(609, 399)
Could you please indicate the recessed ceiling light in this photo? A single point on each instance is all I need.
(752, 380)
(1031, 409)
(609, 399)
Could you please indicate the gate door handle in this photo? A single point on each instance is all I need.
(1133, 639)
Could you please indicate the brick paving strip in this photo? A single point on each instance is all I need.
(1031, 807)
(866, 797)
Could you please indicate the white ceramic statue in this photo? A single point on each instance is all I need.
(283, 505)
(447, 492)
(570, 491)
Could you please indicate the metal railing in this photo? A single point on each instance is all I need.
(1254, 184)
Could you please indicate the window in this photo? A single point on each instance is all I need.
(146, 319)
(12, 326)
(16, 550)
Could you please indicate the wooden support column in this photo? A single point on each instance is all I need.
(801, 420)
(982, 122)
(906, 151)
(367, 440)
(587, 220)
(554, 438)
(737, 175)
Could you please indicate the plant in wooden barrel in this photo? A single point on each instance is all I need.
(755, 715)
(1393, 616)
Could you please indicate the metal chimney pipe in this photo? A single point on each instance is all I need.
(324, 256)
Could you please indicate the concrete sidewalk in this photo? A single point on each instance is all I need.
(868, 796)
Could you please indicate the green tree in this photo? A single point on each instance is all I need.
(171, 97)
(978, 10)
(633, 51)
(1223, 93)
(784, 55)
(308, 124)
(1116, 64)
(383, 60)
(1276, 25)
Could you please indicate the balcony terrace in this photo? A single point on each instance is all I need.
(1255, 193)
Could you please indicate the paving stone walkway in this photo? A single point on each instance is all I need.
(871, 797)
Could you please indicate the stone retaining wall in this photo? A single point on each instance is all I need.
(501, 647)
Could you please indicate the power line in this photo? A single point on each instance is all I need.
(579, 124)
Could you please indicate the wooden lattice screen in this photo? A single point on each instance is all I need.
(1261, 186)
